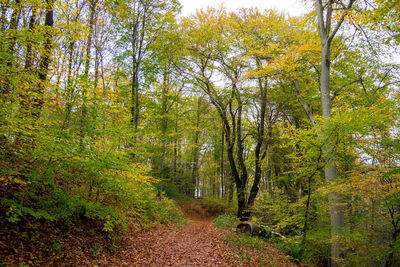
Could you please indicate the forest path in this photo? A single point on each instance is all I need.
(199, 243)
(196, 244)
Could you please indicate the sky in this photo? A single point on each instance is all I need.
(293, 7)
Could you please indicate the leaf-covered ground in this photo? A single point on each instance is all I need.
(196, 244)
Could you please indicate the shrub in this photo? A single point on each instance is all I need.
(226, 221)
(214, 206)
(172, 192)
(63, 183)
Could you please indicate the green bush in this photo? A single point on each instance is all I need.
(172, 192)
(214, 206)
(226, 221)
(70, 183)
(244, 240)
(285, 216)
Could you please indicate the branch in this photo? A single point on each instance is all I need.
(320, 16)
(335, 94)
(384, 77)
(358, 26)
(335, 30)
(305, 105)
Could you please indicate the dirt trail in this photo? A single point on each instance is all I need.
(196, 244)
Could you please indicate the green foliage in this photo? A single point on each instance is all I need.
(57, 248)
(163, 211)
(69, 149)
(96, 250)
(214, 206)
(172, 191)
(107, 188)
(244, 240)
(313, 251)
(285, 216)
(226, 221)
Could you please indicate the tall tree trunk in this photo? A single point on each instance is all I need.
(259, 144)
(222, 163)
(45, 58)
(243, 213)
(396, 231)
(25, 107)
(231, 115)
(69, 88)
(230, 193)
(195, 161)
(164, 126)
(4, 6)
(175, 160)
(230, 139)
(164, 145)
(326, 33)
(83, 119)
(336, 214)
(13, 26)
(5, 85)
(139, 48)
(103, 82)
(29, 55)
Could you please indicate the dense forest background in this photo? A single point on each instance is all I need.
(110, 109)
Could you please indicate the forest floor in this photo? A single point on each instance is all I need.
(197, 244)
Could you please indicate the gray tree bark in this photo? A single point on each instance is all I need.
(327, 33)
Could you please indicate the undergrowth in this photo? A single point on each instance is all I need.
(226, 221)
(214, 206)
(252, 251)
(259, 251)
(57, 188)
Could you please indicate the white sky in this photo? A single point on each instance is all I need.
(293, 7)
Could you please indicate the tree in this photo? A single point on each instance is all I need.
(327, 30)
(216, 45)
(138, 24)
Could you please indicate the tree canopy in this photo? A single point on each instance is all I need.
(110, 109)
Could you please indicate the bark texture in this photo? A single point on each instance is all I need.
(327, 33)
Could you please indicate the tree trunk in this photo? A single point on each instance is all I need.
(164, 126)
(326, 33)
(28, 56)
(195, 160)
(138, 50)
(243, 212)
(175, 160)
(83, 119)
(45, 58)
(395, 222)
(5, 85)
(222, 163)
(336, 214)
(69, 86)
(4, 6)
(260, 142)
